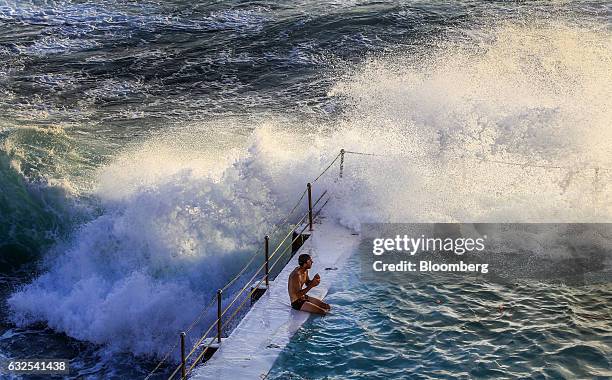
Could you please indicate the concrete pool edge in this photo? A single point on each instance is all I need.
(250, 351)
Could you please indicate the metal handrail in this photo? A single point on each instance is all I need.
(296, 225)
(238, 294)
(254, 288)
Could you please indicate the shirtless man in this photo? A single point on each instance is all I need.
(297, 295)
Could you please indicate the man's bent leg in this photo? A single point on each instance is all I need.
(312, 308)
(319, 303)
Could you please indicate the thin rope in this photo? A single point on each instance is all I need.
(162, 361)
(526, 164)
(195, 346)
(260, 281)
(236, 277)
(327, 168)
(255, 275)
(199, 357)
(297, 204)
(522, 164)
(367, 154)
(278, 226)
(195, 322)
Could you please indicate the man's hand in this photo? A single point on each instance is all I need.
(315, 281)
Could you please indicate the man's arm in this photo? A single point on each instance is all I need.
(302, 292)
(308, 280)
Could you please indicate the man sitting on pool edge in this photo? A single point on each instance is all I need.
(297, 295)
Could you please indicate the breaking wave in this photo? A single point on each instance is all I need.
(182, 212)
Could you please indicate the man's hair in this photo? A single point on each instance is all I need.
(303, 258)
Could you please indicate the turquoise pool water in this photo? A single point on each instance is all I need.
(454, 327)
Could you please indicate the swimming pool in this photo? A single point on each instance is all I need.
(453, 327)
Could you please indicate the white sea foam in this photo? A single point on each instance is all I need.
(182, 212)
(526, 94)
(171, 234)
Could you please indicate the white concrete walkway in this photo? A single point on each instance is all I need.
(251, 349)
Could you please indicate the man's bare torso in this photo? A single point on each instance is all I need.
(297, 279)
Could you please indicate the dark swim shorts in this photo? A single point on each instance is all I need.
(297, 304)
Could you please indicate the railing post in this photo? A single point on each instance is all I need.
(341, 162)
(309, 187)
(267, 250)
(183, 360)
(219, 315)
